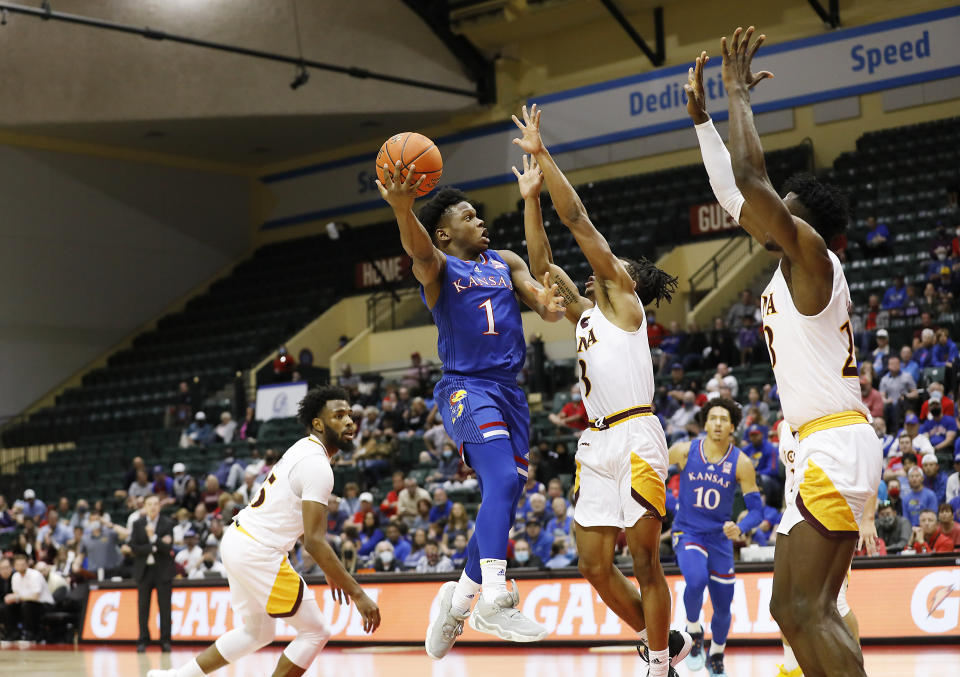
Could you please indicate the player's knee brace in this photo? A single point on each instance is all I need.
(312, 634)
(256, 632)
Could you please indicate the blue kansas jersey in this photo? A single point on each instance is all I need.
(478, 319)
(706, 491)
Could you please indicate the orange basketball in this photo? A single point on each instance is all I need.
(411, 148)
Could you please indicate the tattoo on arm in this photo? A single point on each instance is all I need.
(568, 296)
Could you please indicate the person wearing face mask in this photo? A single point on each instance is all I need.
(523, 557)
(893, 529)
(448, 468)
(209, 567)
(385, 560)
(941, 429)
(682, 417)
(573, 414)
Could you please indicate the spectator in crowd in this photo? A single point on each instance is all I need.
(441, 506)
(945, 351)
(754, 401)
(250, 425)
(878, 238)
(920, 443)
(880, 354)
(934, 479)
(374, 457)
(672, 346)
(400, 546)
(28, 600)
(422, 519)
(141, 486)
(458, 551)
(6, 588)
(368, 425)
(694, 347)
(558, 556)
(748, 338)
(457, 523)
(370, 533)
(225, 430)
(417, 374)
(682, 417)
(721, 378)
(892, 528)
(214, 532)
(211, 493)
(896, 387)
(199, 433)
(385, 560)
(389, 505)
(765, 457)
(953, 481)
(391, 419)
(350, 502)
(887, 441)
(229, 473)
(27, 538)
(745, 307)
(935, 390)
(248, 490)
(190, 555)
(101, 547)
(415, 418)
(522, 557)
(895, 297)
(180, 479)
(923, 355)
(81, 516)
(893, 493)
(435, 436)
(535, 508)
(55, 532)
(540, 541)
(191, 494)
(447, 469)
(32, 507)
(573, 414)
(871, 397)
(948, 525)
(163, 486)
(655, 331)
(940, 429)
(209, 566)
(720, 346)
(417, 544)
(917, 498)
(908, 364)
(283, 364)
(432, 561)
(366, 507)
(560, 522)
(348, 555)
(927, 537)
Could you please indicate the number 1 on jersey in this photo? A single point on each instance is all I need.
(491, 327)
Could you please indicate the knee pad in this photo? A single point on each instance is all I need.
(312, 634)
(256, 632)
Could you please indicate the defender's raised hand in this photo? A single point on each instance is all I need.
(531, 179)
(548, 296)
(399, 194)
(737, 60)
(696, 101)
(530, 142)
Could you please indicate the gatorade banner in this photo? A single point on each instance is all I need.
(889, 603)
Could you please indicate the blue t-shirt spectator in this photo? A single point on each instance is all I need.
(541, 544)
(33, 508)
(401, 549)
(915, 502)
(937, 430)
(955, 504)
(369, 541)
(879, 230)
(458, 557)
(944, 353)
(558, 528)
(911, 368)
(924, 357)
(763, 454)
(439, 513)
(895, 297)
(672, 343)
(937, 484)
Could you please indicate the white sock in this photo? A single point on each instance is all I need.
(643, 636)
(494, 575)
(191, 669)
(789, 660)
(463, 596)
(694, 627)
(659, 663)
(716, 648)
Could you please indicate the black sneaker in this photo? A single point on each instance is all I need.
(715, 665)
(696, 659)
(679, 644)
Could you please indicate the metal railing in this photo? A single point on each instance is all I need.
(708, 276)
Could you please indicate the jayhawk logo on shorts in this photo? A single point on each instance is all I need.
(456, 406)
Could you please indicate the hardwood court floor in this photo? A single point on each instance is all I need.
(123, 661)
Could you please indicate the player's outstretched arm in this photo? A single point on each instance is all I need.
(428, 261)
(542, 299)
(679, 453)
(343, 584)
(568, 205)
(763, 212)
(538, 246)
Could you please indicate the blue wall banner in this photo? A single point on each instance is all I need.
(839, 64)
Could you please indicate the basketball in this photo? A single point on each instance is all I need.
(411, 148)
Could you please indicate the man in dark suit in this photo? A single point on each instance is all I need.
(153, 568)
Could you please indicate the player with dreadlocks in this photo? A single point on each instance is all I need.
(622, 457)
(806, 324)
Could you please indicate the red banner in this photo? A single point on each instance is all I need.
(392, 268)
(710, 218)
(889, 603)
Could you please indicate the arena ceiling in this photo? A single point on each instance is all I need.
(83, 84)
